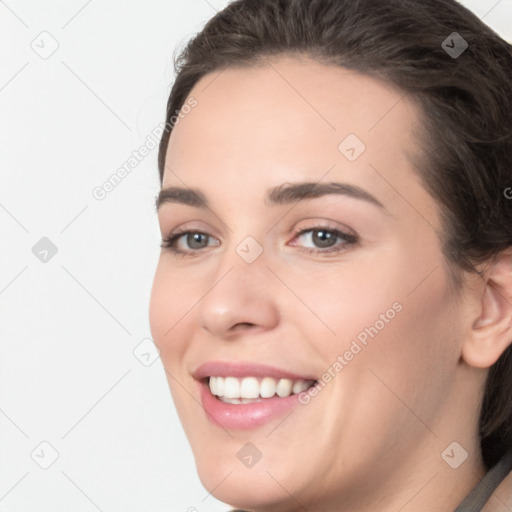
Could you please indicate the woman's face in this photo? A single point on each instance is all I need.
(342, 282)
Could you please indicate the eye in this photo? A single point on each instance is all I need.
(185, 242)
(324, 240)
(314, 240)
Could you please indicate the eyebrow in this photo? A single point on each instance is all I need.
(281, 195)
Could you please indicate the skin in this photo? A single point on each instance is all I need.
(372, 438)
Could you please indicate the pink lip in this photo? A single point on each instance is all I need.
(240, 370)
(244, 416)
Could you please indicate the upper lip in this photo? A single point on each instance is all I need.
(244, 369)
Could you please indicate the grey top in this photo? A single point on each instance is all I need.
(478, 497)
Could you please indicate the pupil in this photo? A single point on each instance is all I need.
(194, 240)
(323, 238)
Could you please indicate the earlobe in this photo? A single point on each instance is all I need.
(491, 332)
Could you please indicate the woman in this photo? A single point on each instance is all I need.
(333, 299)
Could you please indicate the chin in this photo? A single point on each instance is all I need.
(245, 488)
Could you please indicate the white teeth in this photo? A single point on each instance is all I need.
(213, 386)
(267, 387)
(284, 388)
(298, 386)
(239, 400)
(231, 387)
(230, 400)
(219, 386)
(251, 389)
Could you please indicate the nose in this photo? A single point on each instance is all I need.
(240, 298)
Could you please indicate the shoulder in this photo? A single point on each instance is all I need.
(501, 499)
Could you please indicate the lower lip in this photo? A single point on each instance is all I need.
(245, 416)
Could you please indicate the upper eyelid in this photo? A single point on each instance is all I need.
(315, 224)
(184, 231)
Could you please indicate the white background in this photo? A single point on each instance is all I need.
(68, 373)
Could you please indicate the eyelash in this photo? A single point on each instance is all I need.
(169, 243)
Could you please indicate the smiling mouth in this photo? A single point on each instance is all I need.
(234, 390)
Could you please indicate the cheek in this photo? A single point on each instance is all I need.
(159, 306)
(399, 302)
(394, 331)
(343, 304)
(170, 301)
(401, 377)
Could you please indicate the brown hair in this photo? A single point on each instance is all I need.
(465, 100)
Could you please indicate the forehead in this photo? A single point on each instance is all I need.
(286, 106)
(292, 119)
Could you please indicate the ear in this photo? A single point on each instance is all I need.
(491, 330)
